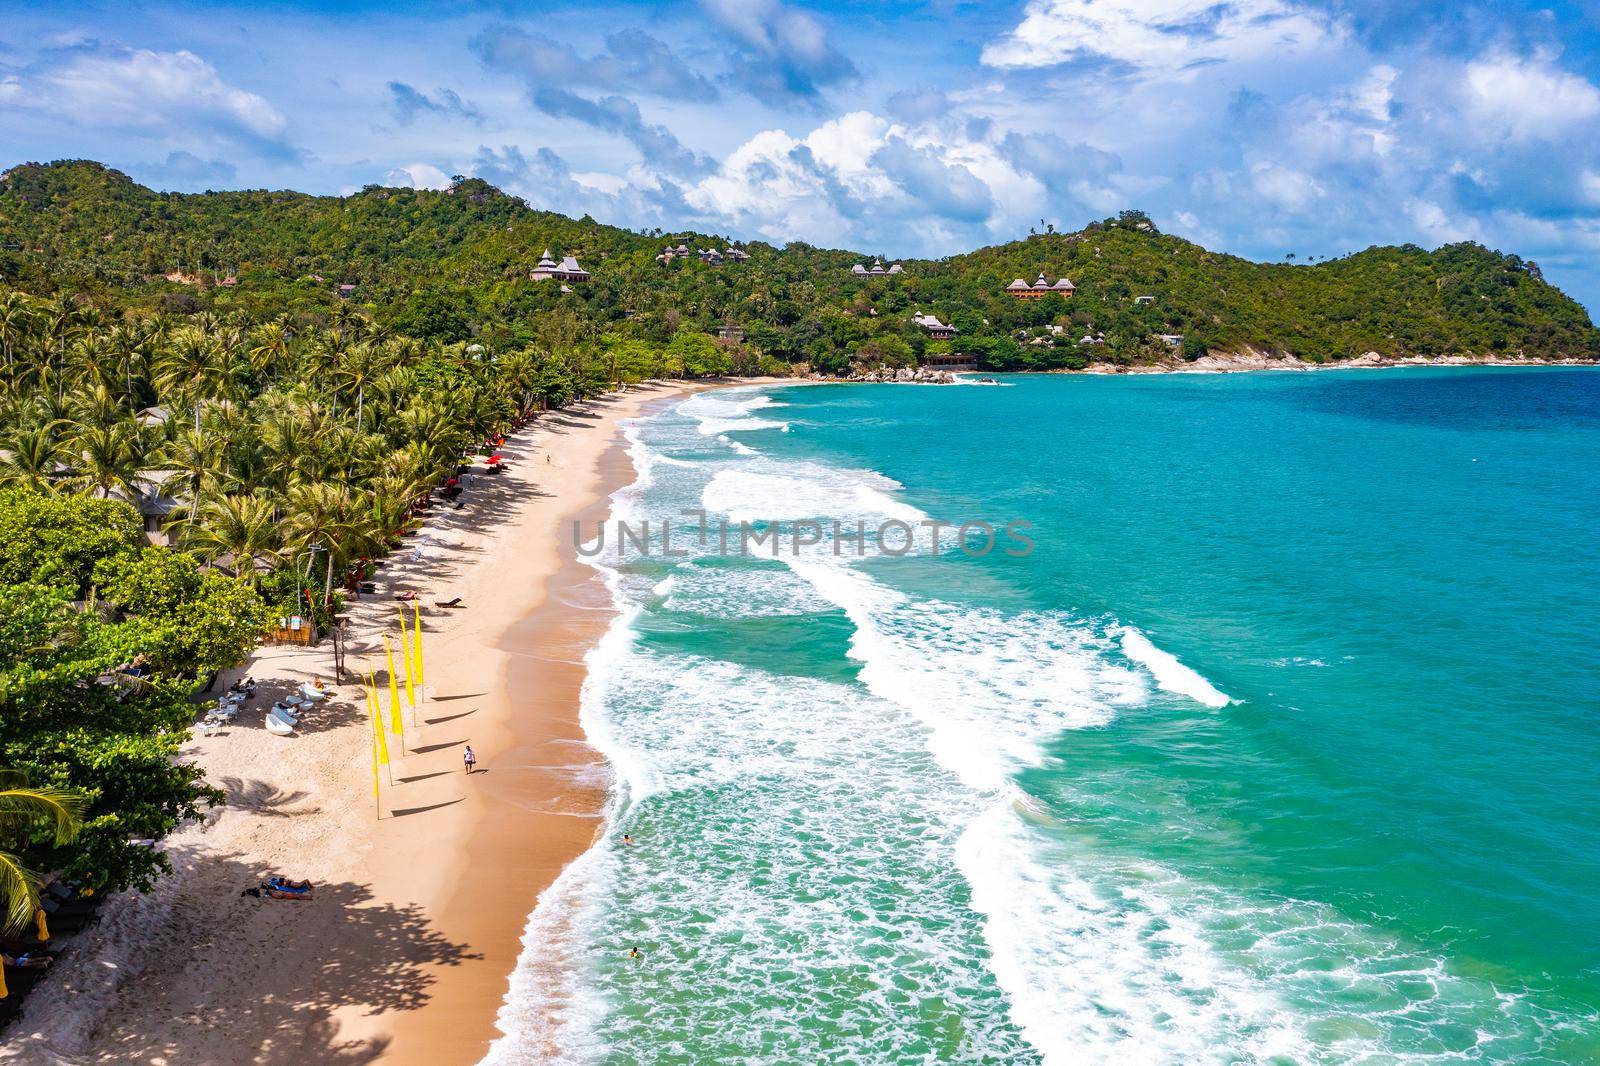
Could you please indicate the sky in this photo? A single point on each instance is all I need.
(1260, 127)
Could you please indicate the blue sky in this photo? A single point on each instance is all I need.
(1260, 127)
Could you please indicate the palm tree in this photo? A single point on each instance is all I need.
(16, 322)
(22, 810)
(30, 459)
(355, 371)
(108, 459)
(242, 527)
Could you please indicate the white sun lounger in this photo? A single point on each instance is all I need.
(278, 727)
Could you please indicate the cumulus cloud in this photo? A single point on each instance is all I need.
(864, 180)
(417, 176)
(165, 95)
(407, 102)
(782, 54)
(632, 58)
(949, 190)
(1528, 98)
(1157, 34)
(1284, 187)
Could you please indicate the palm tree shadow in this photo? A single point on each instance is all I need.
(271, 976)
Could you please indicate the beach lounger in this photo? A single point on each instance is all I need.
(278, 727)
(449, 603)
(313, 693)
(407, 595)
(287, 713)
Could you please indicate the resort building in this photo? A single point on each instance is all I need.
(1041, 287)
(566, 270)
(951, 361)
(876, 270)
(711, 256)
(937, 330)
(731, 332)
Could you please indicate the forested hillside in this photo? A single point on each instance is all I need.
(453, 266)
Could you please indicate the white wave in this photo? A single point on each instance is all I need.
(712, 427)
(992, 689)
(779, 493)
(1170, 674)
(553, 1008)
(1109, 977)
(730, 411)
(738, 446)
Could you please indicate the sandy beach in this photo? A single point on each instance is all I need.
(404, 953)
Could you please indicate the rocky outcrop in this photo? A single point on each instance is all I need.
(905, 376)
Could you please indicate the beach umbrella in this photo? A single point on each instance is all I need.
(43, 925)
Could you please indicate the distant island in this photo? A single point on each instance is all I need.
(473, 264)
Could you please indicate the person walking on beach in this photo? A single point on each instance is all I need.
(469, 759)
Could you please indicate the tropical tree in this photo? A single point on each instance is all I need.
(242, 527)
(24, 812)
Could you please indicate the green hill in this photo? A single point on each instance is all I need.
(454, 264)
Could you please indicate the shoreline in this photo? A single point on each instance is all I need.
(557, 782)
(406, 953)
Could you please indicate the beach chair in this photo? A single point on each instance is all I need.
(311, 693)
(278, 727)
(287, 712)
(449, 603)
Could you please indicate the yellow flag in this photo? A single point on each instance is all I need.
(380, 747)
(416, 636)
(405, 653)
(397, 725)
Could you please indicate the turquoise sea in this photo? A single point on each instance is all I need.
(1282, 745)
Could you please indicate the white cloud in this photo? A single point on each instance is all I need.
(1284, 186)
(862, 178)
(1436, 224)
(1523, 99)
(1155, 34)
(174, 94)
(418, 176)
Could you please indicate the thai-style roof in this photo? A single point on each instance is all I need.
(1017, 285)
(895, 269)
(1063, 283)
(858, 269)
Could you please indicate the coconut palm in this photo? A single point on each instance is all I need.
(24, 810)
(241, 527)
(107, 460)
(30, 458)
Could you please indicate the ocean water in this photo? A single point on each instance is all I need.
(1281, 746)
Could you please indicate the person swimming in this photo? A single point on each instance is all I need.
(633, 953)
(627, 839)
